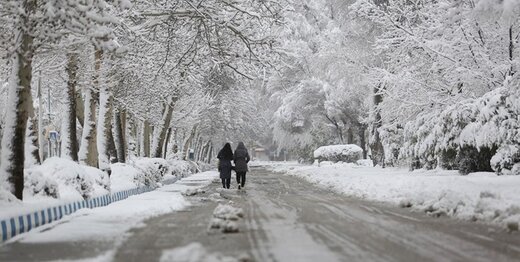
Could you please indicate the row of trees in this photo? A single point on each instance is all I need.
(146, 78)
(429, 83)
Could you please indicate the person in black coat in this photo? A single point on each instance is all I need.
(241, 158)
(225, 155)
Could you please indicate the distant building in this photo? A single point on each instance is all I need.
(260, 154)
(264, 154)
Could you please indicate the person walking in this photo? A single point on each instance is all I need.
(225, 155)
(241, 158)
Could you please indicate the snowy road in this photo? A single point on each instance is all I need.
(287, 219)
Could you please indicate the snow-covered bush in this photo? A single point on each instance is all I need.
(448, 159)
(37, 184)
(336, 153)
(181, 168)
(148, 172)
(62, 178)
(392, 140)
(153, 169)
(507, 160)
(474, 129)
(471, 159)
(125, 176)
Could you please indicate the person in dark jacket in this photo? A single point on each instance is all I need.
(241, 158)
(225, 155)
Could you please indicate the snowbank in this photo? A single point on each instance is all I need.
(480, 196)
(336, 153)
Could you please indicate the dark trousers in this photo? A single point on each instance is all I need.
(226, 182)
(241, 178)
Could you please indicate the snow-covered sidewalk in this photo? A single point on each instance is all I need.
(478, 196)
(111, 223)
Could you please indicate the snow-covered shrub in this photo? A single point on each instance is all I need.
(392, 140)
(305, 154)
(154, 169)
(336, 153)
(471, 159)
(181, 168)
(473, 127)
(58, 177)
(448, 159)
(37, 184)
(507, 160)
(419, 141)
(125, 176)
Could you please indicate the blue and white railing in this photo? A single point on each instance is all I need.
(13, 226)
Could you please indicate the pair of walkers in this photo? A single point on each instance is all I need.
(240, 158)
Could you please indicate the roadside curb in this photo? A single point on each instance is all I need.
(16, 225)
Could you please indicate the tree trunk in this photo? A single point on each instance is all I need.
(146, 138)
(69, 146)
(88, 154)
(350, 135)
(40, 119)
(362, 139)
(80, 107)
(187, 143)
(203, 152)
(376, 146)
(511, 51)
(167, 141)
(32, 146)
(160, 135)
(13, 140)
(195, 147)
(111, 143)
(210, 153)
(104, 128)
(120, 139)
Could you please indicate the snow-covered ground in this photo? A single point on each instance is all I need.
(111, 223)
(478, 196)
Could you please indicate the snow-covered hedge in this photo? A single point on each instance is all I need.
(62, 178)
(65, 179)
(339, 153)
(149, 171)
(471, 130)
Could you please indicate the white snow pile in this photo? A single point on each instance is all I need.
(482, 196)
(65, 179)
(225, 218)
(339, 153)
(195, 252)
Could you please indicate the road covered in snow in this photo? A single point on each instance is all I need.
(277, 218)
